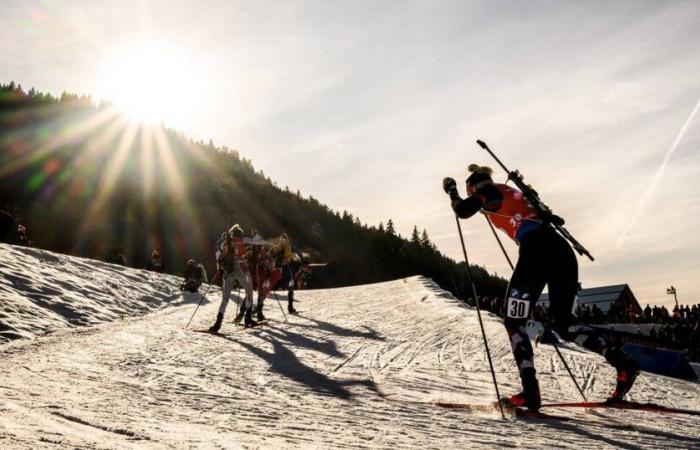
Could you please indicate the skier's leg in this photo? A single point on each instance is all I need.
(244, 279)
(523, 291)
(563, 285)
(263, 289)
(225, 296)
(289, 279)
(247, 284)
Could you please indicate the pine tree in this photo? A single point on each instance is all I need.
(390, 228)
(424, 240)
(415, 237)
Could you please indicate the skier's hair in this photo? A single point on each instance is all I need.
(480, 175)
(475, 168)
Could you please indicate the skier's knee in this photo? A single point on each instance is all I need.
(512, 325)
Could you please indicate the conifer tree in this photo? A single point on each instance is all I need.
(390, 228)
(415, 237)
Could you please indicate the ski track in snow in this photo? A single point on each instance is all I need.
(119, 371)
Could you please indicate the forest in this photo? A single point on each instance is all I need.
(86, 181)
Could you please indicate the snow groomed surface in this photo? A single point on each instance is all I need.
(357, 368)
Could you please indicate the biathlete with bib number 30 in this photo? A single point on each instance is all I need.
(545, 258)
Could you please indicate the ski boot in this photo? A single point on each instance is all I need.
(239, 316)
(217, 325)
(291, 310)
(627, 371)
(530, 396)
(259, 313)
(249, 322)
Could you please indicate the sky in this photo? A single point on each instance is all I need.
(366, 106)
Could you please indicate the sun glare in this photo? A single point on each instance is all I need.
(152, 83)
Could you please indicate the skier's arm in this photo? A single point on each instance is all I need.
(486, 197)
(465, 208)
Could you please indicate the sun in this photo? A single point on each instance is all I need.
(152, 83)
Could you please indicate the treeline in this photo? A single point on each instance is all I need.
(86, 181)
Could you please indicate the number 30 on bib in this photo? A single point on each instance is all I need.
(517, 309)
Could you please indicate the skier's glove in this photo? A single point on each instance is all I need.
(449, 185)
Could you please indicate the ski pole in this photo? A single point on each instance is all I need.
(563, 361)
(478, 313)
(280, 305)
(510, 263)
(198, 305)
(556, 347)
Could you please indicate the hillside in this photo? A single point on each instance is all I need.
(311, 382)
(88, 182)
(44, 292)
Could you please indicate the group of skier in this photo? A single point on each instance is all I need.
(254, 265)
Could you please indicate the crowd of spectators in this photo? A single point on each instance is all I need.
(679, 329)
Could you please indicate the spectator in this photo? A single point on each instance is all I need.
(194, 276)
(156, 262)
(22, 238)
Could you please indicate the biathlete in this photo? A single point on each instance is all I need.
(545, 258)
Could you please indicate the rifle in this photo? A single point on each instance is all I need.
(543, 210)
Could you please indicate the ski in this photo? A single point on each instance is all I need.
(539, 415)
(207, 331)
(261, 322)
(471, 407)
(648, 407)
(243, 327)
(519, 412)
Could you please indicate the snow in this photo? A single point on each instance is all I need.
(106, 363)
(43, 292)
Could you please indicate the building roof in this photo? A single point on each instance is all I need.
(603, 297)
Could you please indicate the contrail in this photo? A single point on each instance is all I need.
(657, 176)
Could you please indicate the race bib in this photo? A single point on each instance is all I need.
(517, 309)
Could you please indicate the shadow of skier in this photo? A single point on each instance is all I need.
(284, 362)
(326, 346)
(340, 331)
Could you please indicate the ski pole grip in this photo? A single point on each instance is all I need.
(482, 144)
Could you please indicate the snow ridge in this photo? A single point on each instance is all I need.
(43, 292)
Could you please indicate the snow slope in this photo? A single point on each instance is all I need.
(145, 382)
(42, 292)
